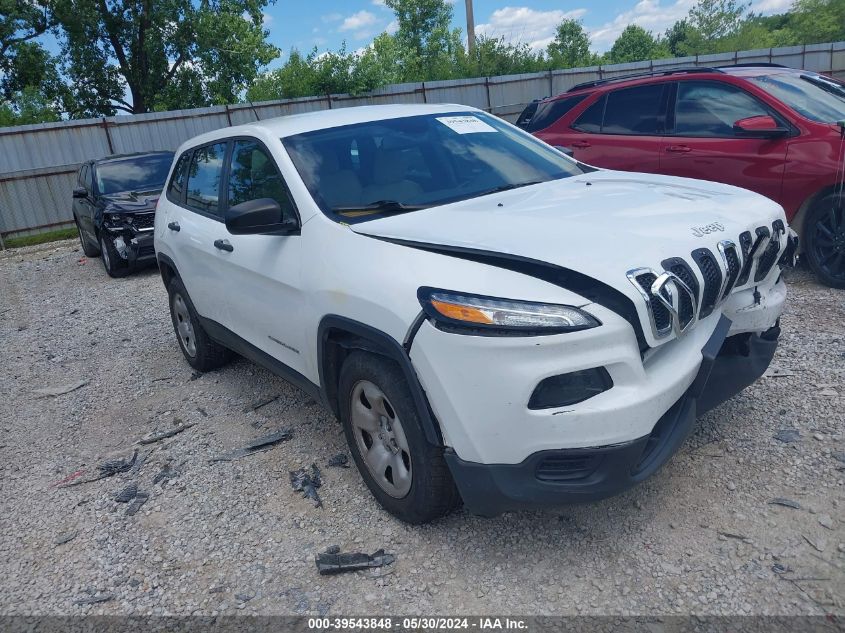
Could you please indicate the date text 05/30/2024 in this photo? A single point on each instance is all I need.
(388, 623)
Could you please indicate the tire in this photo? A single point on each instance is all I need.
(202, 353)
(407, 475)
(89, 249)
(823, 240)
(114, 264)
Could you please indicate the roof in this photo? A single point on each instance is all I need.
(738, 70)
(116, 157)
(280, 127)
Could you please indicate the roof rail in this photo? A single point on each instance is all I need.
(656, 73)
(754, 65)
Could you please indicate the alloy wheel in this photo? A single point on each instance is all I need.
(184, 326)
(829, 241)
(381, 439)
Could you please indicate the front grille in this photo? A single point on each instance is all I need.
(143, 220)
(745, 242)
(686, 309)
(770, 255)
(712, 275)
(733, 268)
(557, 468)
(662, 317)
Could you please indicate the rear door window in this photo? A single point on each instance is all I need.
(204, 178)
(635, 111)
(550, 111)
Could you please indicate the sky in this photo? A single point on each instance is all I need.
(326, 24)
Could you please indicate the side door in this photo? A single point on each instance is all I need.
(701, 141)
(623, 128)
(263, 272)
(194, 225)
(83, 208)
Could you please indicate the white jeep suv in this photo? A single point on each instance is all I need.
(491, 321)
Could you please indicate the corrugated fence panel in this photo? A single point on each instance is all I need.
(36, 198)
(53, 150)
(471, 92)
(47, 144)
(509, 94)
(163, 130)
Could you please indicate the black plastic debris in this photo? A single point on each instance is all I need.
(94, 599)
(127, 494)
(167, 472)
(779, 568)
(307, 483)
(787, 436)
(341, 460)
(262, 402)
(840, 457)
(337, 563)
(332, 549)
(256, 446)
(788, 503)
(139, 500)
(115, 466)
(152, 438)
(67, 537)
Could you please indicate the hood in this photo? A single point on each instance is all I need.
(602, 224)
(130, 201)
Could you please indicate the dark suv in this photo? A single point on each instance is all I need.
(774, 130)
(114, 204)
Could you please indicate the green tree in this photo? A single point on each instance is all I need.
(494, 56)
(635, 44)
(571, 46)
(423, 37)
(166, 54)
(27, 106)
(816, 21)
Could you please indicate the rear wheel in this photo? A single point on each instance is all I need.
(201, 352)
(824, 240)
(89, 249)
(407, 475)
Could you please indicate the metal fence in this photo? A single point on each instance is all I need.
(38, 162)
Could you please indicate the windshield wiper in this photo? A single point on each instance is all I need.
(826, 85)
(380, 206)
(508, 187)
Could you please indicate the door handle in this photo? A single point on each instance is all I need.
(174, 226)
(224, 245)
(678, 149)
(581, 144)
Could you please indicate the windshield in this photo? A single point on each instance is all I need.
(139, 173)
(366, 170)
(812, 96)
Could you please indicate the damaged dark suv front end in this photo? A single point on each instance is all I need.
(127, 220)
(114, 206)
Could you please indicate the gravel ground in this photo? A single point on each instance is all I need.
(702, 536)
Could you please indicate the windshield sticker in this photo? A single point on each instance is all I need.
(465, 124)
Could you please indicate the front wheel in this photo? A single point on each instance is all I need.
(407, 475)
(114, 264)
(823, 240)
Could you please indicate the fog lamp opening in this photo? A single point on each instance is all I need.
(567, 389)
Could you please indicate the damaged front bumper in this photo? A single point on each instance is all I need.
(558, 477)
(133, 245)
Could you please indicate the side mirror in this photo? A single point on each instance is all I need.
(263, 216)
(763, 126)
(564, 150)
(80, 192)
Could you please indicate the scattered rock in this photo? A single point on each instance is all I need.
(787, 436)
(66, 537)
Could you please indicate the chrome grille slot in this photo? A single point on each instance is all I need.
(712, 275)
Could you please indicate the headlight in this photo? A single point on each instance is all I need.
(502, 316)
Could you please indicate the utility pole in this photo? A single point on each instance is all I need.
(470, 27)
